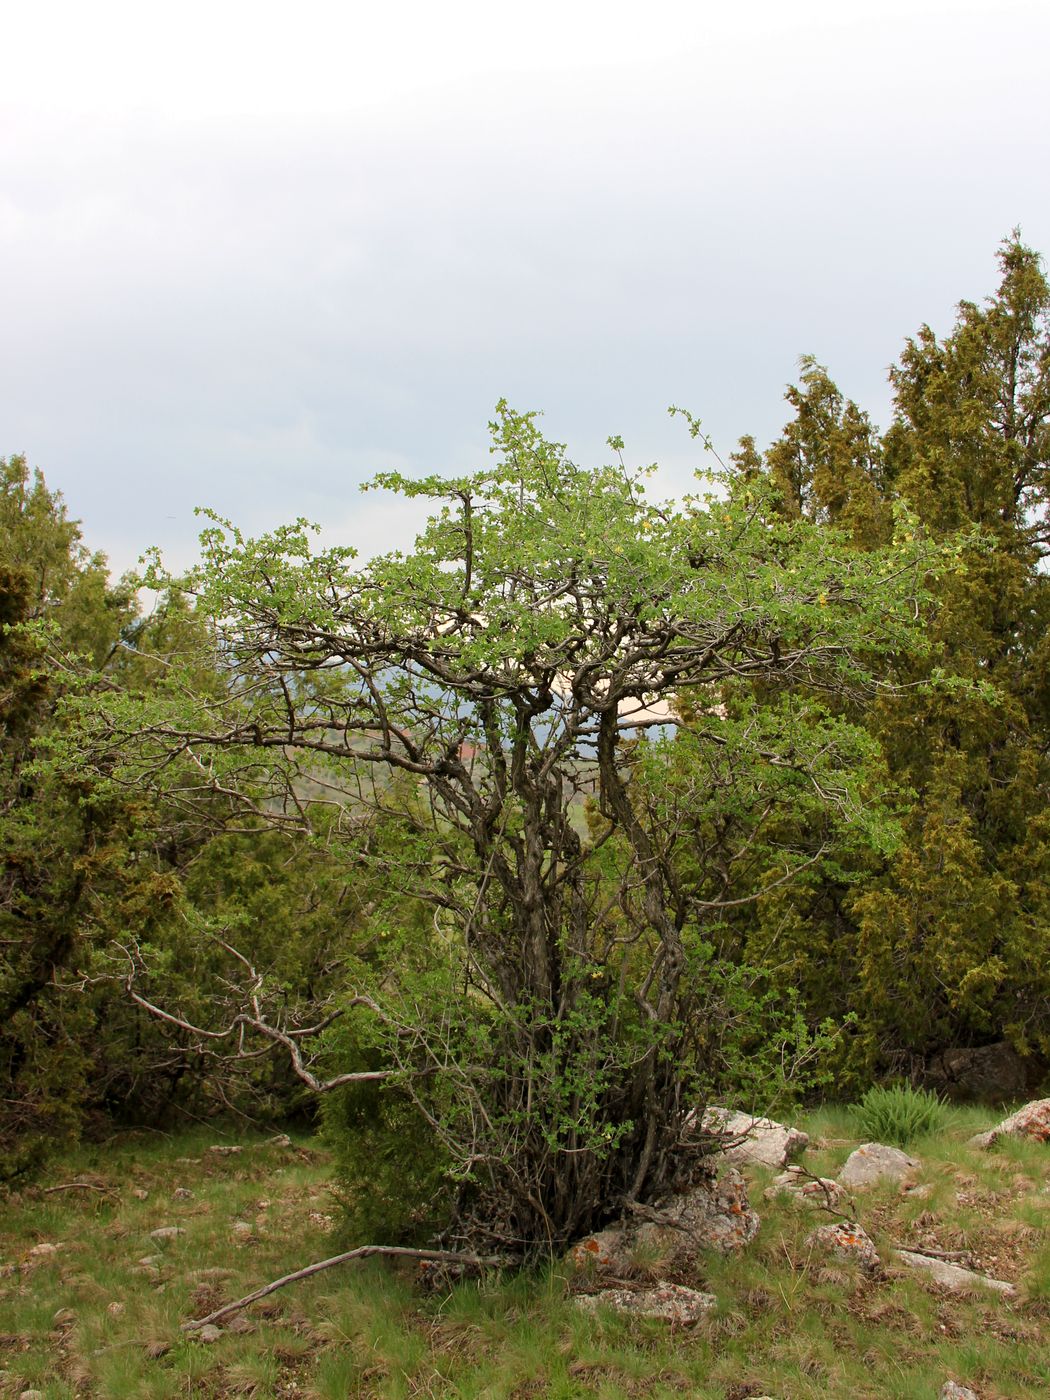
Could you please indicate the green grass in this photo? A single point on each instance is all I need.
(898, 1114)
(90, 1320)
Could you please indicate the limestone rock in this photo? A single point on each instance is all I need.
(167, 1232)
(222, 1151)
(603, 1253)
(1032, 1122)
(952, 1390)
(990, 1072)
(873, 1162)
(916, 1193)
(954, 1276)
(716, 1215)
(819, 1192)
(668, 1302)
(182, 1194)
(847, 1243)
(751, 1140)
(208, 1333)
(44, 1251)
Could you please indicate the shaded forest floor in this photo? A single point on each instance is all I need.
(91, 1303)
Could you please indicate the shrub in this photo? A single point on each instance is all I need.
(898, 1113)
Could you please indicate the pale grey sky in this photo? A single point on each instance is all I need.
(250, 254)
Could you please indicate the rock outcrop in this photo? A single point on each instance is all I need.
(990, 1072)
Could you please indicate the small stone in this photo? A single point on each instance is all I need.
(667, 1302)
(182, 1194)
(222, 1151)
(952, 1390)
(281, 1140)
(873, 1162)
(187, 1161)
(116, 1309)
(953, 1276)
(847, 1242)
(31, 1395)
(44, 1251)
(140, 1193)
(242, 1228)
(151, 1261)
(208, 1333)
(240, 1326)
(167, 1232)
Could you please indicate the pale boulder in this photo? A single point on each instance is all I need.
(1032, 1122)
(954, 1276)
(873, 1162)
(754, 1141)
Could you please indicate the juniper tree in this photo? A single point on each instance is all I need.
(960, 927)
(944, 944)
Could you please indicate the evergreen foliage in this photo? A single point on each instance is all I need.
(945, 942)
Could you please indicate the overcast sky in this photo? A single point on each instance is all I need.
(251, 254)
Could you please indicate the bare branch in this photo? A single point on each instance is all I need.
(433, 1256)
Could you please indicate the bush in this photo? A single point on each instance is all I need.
(898, 1114)
(390, 1171)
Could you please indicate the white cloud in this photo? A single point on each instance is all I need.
(248, 253)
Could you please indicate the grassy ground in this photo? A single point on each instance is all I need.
(99, 1315)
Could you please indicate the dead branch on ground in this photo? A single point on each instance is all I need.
(434, 1256)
